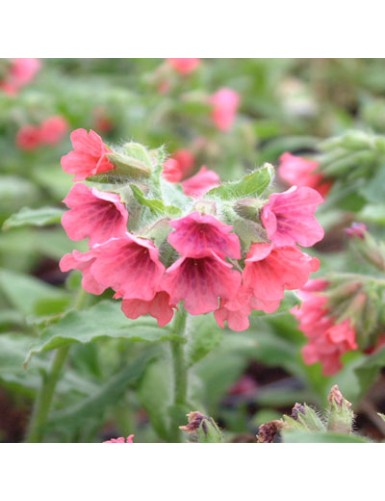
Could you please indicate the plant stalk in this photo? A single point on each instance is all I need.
(179, 373)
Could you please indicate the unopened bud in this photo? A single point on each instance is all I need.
(356, 230)
(296, 410)
(340, 414)
(202, 429)
(267, 433)
(132, 160)
(371, 250)
(305, 418)
(248, 208)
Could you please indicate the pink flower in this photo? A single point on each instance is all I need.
(184, 66)
(94, 214)
(53, 129)
(198, 235)
(330, 346)
(120, 440)
(21, 72)
(178, 166)
(288, 217)
(225, 104)
(299, 171)
(159, 307)
(235, 312)
(203, 181)
(89, 155)
(83, 262)
(201, 282)
(327, 340)
(269, 271)
(28, 137)
(357, 230)
(130, 266)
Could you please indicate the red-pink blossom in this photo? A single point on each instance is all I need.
(288, 217)
(20, 73)
(224, 104)
(53, 129)
(327, 339)
(28, 137)
(184, 66)
(299, 171)
(269, 271)
(330, 346)
(89, 156)
(97, 215)
(235, 311)
(130, 266)
(158, 307)
(120, 440)
(196, 235)
(178, 166)
(203, 181)
(201, 282)
(83, 262)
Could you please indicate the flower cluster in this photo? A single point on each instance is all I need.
(204, 253)
(17, 74)
(49, 132)
(328, 339)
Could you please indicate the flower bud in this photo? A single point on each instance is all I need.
(371, 250)
(267, 433)
(132, 160)
(340, 414)
(201, 428)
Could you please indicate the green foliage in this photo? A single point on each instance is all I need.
(251, 185)
(103, 320)
(34, 217)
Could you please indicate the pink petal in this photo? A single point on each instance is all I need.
(198, 235)
(94, 214)
(289, 217)
(201, 282)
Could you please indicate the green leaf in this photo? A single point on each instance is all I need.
(373, 213)
(251, 185)
(34, 217)
(203, 336)
(156, 206)
(13, 375)
(301, 437)
(103, 397)
(27, 294)
(156, 394)
(103, 320)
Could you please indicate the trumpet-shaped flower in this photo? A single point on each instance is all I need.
(289, 217)
(89, 156)
(130, 266)
(94, 214)
(198, 234)
(201, 282)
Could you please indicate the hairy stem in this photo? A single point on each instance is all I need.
(45, 395)
(179, 372)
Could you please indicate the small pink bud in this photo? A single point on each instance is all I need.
(356, 230)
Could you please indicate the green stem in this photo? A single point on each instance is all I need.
(180, 373)
(44, 398)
